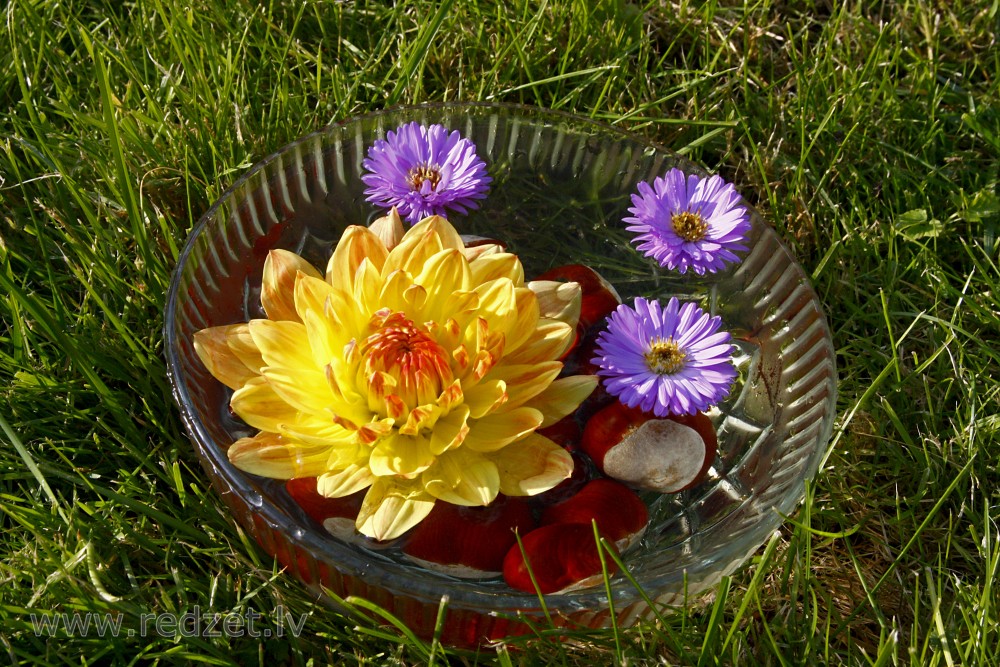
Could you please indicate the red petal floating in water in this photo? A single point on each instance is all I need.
(561, 556)
(620, 514)
(469, 541)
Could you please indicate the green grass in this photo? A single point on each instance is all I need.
(867, 133)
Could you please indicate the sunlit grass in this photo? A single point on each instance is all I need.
(868, 135)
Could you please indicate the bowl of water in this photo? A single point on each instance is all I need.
(561, 186)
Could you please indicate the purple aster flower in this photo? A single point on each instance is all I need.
(671, 360)
(689, 222)
(423, 170)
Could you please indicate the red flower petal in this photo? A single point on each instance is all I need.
(561, 555)
(469, 541)
(619, 513)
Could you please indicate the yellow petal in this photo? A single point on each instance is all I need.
(494, 317)
(498, 265)
(420, 418)
(341, 442)
(330, 318)
(367, 285)
(379, 385)
(375, 429)
(549, 341)
(356, 245)
(394, 406)
(563, 397)
(450, 238)
(339, 379)
(212, 347)
(349, 424)
(458, 306)
(283, 343)
(311, 294)
(444, 273)
(392, 507)
(336, 307)
(485, 349)
(531, 465)
(451, 397)
(483, 250)
(450, 431)
(348, 320)
(304, 389)
(342, 483)
(495, 431)
(449, 336)
(401, 455)
(270, 455)
(419, 244)
(484, 362)
(525, 321)
(558, 300)
(261, 407)
(497, 303)
(463, 478)
(388, 228)
(241, 343)
(325, 344)
(485, 397)
(399, 294)
(277, 290)
(524, 382)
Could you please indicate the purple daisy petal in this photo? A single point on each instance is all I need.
(688, 222)
(670, 360)
(424, 170)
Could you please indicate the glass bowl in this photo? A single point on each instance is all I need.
(561, 187)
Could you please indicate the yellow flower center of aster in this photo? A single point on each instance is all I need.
(424, 172)
(414, 365)
(689, 226)
(664, 357)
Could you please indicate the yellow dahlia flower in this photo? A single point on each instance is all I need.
(417, 370)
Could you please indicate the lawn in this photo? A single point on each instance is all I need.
(866, 133)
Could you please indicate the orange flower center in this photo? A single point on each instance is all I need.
(424, 172)
(665, 357)
(407, 354)
(689, 226)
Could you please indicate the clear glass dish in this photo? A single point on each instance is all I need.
(561, 187)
